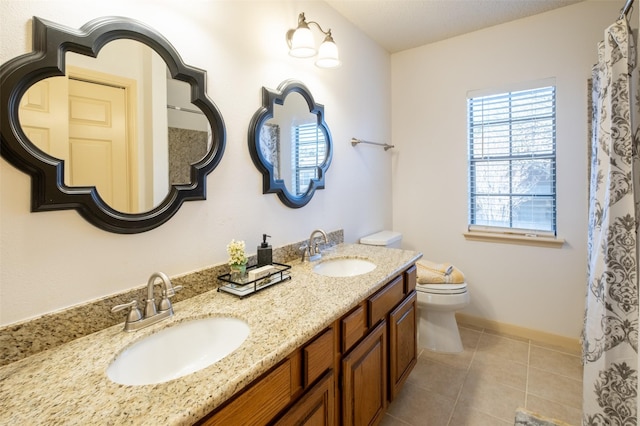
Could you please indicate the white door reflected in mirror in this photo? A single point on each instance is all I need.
(122, 126)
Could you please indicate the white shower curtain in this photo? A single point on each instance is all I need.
(610, 334)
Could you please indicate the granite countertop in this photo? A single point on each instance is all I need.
(68, 384)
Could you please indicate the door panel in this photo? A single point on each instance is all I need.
(43, 116)
(97, 133)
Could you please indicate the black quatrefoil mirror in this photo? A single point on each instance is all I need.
(290, 143)
(109, 120)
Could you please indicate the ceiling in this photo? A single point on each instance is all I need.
(398, 25)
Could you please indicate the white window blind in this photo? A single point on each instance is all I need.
(308, 153)
(512, 160)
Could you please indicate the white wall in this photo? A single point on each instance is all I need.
(53, 260)
(533, 287)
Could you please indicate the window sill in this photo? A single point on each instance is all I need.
(539, 241)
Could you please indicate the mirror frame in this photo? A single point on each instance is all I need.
(48, 192)
(270, 98)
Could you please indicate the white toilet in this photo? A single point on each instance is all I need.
(437, 304)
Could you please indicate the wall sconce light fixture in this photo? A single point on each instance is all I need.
(302, 45)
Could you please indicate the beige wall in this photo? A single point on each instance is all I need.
(52, 260)
(533, 287)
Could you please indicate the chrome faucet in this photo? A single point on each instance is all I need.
(167, 291)
(152, 313)
(312, 249)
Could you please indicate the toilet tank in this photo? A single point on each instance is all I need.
(390, 239)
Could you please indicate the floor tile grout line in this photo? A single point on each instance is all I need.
(564, 376)
(397, 419)
(554, 349)
(530, 370)
(455, 404)
(546, 369)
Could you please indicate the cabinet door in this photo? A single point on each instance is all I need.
(402, 343)
(316, 408)
(364, 380)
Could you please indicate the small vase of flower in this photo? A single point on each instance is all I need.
(237, 260)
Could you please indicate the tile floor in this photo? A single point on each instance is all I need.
(487, 382)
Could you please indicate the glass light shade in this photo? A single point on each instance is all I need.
(302, 43)
(328, 55)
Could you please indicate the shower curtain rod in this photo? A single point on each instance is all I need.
(625, 9)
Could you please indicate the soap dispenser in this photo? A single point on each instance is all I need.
(265, 255)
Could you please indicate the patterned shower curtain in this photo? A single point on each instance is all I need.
(610, 334)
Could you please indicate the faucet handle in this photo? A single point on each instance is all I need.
(134, 313)
(171, 291)
(165, 303)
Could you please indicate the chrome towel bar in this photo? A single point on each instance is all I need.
(355, 142)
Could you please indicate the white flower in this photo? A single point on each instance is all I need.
(236, 253)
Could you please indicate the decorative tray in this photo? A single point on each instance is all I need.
(244, 287)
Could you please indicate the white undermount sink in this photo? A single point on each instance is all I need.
(344, 267)
(178, 350)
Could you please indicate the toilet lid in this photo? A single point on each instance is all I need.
(442, 288)
(382, 238)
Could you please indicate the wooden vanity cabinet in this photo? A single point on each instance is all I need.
(385, 299)
(317, 356)
(260, 401)
(289, 384)
(375, 367)
(315, 408)
(345, 375)
(410, 279)
(364, 379)
(403, 351)
(403, 335)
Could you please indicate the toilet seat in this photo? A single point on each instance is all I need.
(442, 288)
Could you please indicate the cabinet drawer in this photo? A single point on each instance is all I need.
(353, 327)
(318, 357)
(410, 277)
(384, 300)
(260, 403)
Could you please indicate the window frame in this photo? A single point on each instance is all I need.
(511, 233)
(298, 130)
